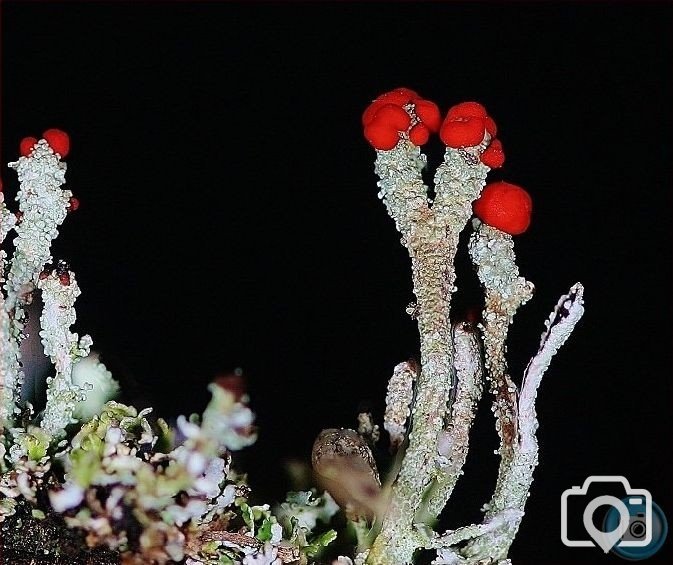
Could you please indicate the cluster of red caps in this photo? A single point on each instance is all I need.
(57, 139)
(502, 205)
(387, 116)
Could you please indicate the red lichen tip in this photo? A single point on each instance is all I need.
(419, 134)
(73, 204)
(26, 146)
(392, 116)
(464, 123)
(370, 112)
(504, 206)
(385, 117)
(232, 382)
(399, 96)
(58, 140)
(428, 113)
(494, 156)
(467, 110)
(381, 136)
(462, 132)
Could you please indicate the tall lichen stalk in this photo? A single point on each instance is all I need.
(430, 235)
(440, 410)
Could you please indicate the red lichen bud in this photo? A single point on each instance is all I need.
(58, 140)
(73, 204)
(462, 132)
(392, 116)
(64, 278)
(419, 134)
(370, 112)
(472, 113)
(466, 110)
(493, 157)
(381, 136)
(504, 206)
(26, 146)
(232, 382)
(429, 114)
(398, 96)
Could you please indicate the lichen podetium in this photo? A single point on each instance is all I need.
(440, 409)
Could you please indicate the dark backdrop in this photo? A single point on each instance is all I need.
(229, 214)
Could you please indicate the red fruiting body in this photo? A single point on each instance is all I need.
(462, 132)
(386, 117)
(64, 279)
(504, 206)
(399, 96)
(419, 134)
(493, 157)
(471, 113)
(58, 140)
(370, 112)
(232, 382)
(73, 204)
(392, 116)
(381, 136)
(26, 146)
(466, 110)
(428, 112)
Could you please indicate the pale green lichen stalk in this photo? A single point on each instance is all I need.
(430, 235)
(430, 408)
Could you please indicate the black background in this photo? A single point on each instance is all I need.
(229, 214)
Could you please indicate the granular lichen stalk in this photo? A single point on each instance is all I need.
(420, 408)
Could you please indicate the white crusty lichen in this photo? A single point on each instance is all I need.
(43, 205)
(9, 360)
(59, 291)
(122, 480)
(430, 410)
